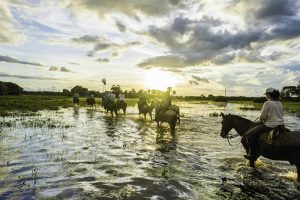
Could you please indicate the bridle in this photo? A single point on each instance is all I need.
(231, 136)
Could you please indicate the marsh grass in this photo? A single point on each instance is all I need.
(29, 104)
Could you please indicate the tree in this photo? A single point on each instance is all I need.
(80, 90)
(66, 92)
(116, 89)
(9, 88)
(3, 89)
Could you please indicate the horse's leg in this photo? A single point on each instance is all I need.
(252, 162)
(150, 115)
(298, 173)
(145, 115)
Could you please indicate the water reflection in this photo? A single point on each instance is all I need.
(76, 112)
(110, 124)
(102, 157)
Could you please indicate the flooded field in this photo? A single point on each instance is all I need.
(77, 153)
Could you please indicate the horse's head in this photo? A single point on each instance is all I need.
(226, 125)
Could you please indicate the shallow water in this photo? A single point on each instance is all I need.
(78, 153)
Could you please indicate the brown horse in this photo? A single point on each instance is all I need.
(285, 146)
(91, 102)
(168, 116)
(109, 106)
(146, 109)
(122, 105)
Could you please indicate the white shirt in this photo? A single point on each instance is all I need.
(272, 114)
(121, 97)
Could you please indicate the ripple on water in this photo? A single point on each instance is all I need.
(87, 154)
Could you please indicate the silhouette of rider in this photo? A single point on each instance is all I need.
(143, 100)
(164, 105)
(271, 117)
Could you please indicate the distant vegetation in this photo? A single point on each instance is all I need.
(30, 101)
(8, 88)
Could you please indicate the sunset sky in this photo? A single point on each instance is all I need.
(195, 46)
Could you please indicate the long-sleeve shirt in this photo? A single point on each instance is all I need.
(272, 114)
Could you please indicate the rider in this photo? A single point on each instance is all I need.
(111, 97)
(121, 97)
(271, 117)
(164, 105)
(142, 101)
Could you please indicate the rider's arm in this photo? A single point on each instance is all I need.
(264, 112)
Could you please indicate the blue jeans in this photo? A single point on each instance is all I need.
(250, 139)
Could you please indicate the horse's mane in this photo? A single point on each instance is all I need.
(239, 117)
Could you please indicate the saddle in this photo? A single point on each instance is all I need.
(274, 133)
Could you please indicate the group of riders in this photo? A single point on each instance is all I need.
(271, 115)
(270, 119)
(113, 102)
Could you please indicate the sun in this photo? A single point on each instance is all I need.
(159, 80)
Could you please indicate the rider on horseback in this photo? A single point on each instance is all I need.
(121, 98)
(142, 101)
(163, 106)
(271, 117)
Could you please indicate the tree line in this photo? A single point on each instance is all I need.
(9, 88)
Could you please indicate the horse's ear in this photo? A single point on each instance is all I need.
(222, 114)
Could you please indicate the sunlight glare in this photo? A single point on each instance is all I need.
(159, 80)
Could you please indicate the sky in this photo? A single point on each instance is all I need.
(194, 46)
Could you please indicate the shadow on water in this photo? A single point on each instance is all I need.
(110, 124)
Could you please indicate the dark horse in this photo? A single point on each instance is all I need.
(76, 100)
(169, 116)
(109, 106)
(122, 105)
(90, 101)
(146, 109)
(285, 146)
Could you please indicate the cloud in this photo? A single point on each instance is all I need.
(121, 26)
(192, 82)
(197, 78)
(104, 60)
(114, 54)
(10, 32)
(208, 41)
(87, 39)
(61, 69)
(64, 69)
(126, 7)
(53, 68)
(27, 77)
(102, 44)
(74, 63)
(14, 60)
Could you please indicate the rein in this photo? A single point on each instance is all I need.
(235, 135)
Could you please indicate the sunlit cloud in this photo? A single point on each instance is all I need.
(208, 45)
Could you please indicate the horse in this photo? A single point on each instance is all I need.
(146, 109)
(285, 146)
(91, 102)
(176, 109)
(168, 116)
(122, 105)
(76, 100)
(109, 106)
